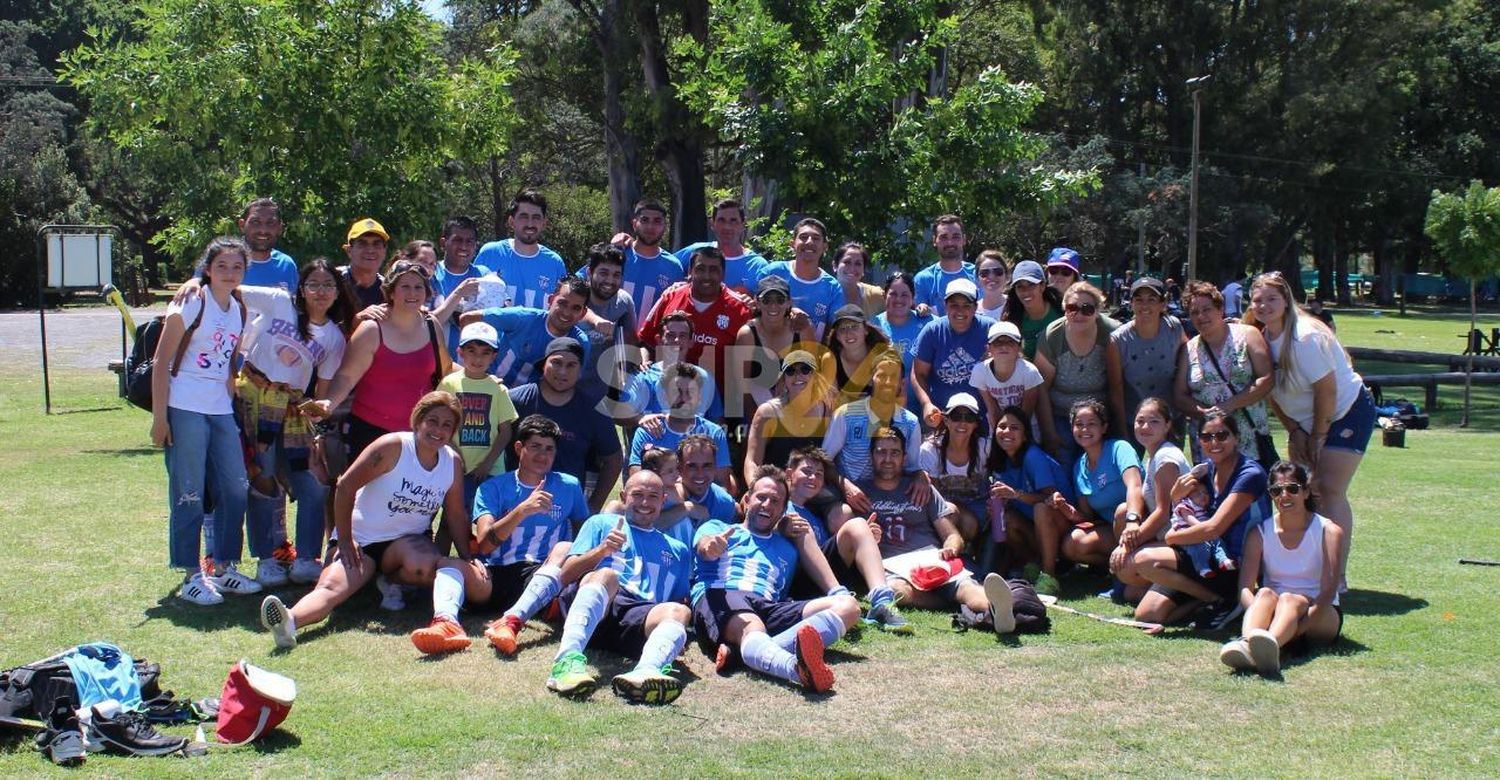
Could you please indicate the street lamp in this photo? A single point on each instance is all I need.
(1196, 85)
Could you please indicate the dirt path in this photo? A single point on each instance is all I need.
(76, 338)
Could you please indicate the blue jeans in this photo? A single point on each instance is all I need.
(311, 496)
(204, 446)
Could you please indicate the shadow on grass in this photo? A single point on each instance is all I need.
(235, 612)
(276, 741)
(128, 453)
(1358, 601)
(88, 410)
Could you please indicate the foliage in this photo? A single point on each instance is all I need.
(827, 99)
(339, 110)
(1465, 228)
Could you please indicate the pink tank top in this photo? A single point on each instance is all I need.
(394, 383)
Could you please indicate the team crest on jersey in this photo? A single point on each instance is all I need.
(722, 321)
(544, 282)
(666, 557)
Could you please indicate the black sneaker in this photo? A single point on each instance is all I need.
(62, 741)
(131, 734)
(1218, 615)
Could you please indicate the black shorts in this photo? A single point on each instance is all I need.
(1224, 584)
(1301, 644)
(804, 588)
(358, 435)
(623, 628)
(375, 551)
(717, 606)
(506, 584)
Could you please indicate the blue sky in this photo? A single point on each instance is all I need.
(438, 9)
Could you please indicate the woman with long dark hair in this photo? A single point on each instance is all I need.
(1024, 477)
(1031, 304)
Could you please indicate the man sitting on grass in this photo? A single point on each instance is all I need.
(907, 527)
(631, 599)
(740, 591)
(523, 521)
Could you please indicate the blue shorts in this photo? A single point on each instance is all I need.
(623, 628)
(1352, 431)
(716, 606)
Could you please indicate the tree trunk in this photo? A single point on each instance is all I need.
(1469, 368)
(1385, 272)
(621, 147)
(679, 134)
(1323, 251)
(1341, 263)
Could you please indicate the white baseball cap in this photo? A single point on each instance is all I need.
(1005, 329)
(481, 332)
(962, 287)
(962, 400)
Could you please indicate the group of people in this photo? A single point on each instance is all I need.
(782, 439)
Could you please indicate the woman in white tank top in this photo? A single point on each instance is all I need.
(1294, 555)
(383, 510)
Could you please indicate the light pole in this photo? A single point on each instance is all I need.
(1196, 85)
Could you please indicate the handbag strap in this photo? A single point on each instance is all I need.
(1213, 360)
(260, 726)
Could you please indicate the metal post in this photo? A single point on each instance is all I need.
(1140, 236)
(1196, 85)
(41, 311)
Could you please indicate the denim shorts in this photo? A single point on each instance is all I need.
(1352, 431)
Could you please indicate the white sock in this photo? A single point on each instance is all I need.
(662, 647)
(583, 618)
(826, 623)
(447, 593)
(764, 656)
(542, 588)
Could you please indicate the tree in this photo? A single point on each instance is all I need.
(338, 109)
(1466, 231)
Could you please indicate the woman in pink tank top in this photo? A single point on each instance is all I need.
(390, 364)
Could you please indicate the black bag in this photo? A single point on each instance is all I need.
(1030, 612)
(32, 691)
(142, 360)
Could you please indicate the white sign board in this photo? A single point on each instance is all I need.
(77, 260)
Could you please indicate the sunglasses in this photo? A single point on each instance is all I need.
(988, 272)
(1214, 436)
(963, 415)
(1086, 309)
(407, 266)
(1061, 272)
(320, 286)
(1291, 489)
(800, 369)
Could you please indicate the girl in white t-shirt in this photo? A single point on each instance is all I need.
(1006, 378)
(1294, 555)
(192, 416)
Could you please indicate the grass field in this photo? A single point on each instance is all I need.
(1412, 689)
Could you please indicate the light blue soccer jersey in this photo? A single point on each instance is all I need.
(720, 506)
(652, 565)
(820, 528)
(669, 439)
(932, 283)
(530, 279)
(536, 535)
(849, 432)
(740, 273)
(820, 298)
(646, 277)
(523, 341)
(762, 565)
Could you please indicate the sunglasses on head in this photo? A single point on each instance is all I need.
(408, 266)
(1214, 436)
(1086, 309)
(1291, 489)
(797, 369)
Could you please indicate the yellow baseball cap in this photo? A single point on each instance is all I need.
(363, 226)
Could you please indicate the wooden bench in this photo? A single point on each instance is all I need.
(1476, 344)
(1428, 382)
(117, 367)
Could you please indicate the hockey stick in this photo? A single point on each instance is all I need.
(1051, 602)
(112, 294)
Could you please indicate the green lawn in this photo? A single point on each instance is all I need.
(1411, 690)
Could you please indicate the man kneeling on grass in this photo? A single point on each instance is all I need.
(382, 511)
(740, 590)
(631, 598)
(909, 528)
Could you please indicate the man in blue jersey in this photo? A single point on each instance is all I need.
(268, 266)
(948, 349)
(459, 242)
(529, 268)
(814, 290)
(649, 270)
(684, 386)
(525, 332)
(523, 523)
(743, 266)
(740, 591)
(589, 443)
(631, 599)
(907, 527)
(849, 542)
(932, 282)
(702, 498)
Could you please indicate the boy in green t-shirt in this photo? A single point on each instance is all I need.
(488, 415)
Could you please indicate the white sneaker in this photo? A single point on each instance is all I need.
(1002, 606)
(200, 590)
(278, 620)
(1264, 651)
(391, 598)
(270, 573)
(1236, 655)
(305, 571)
(230, 580)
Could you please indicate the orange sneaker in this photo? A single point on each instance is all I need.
(811, 669)
(502, 633)
(440, 636)
(285, 552)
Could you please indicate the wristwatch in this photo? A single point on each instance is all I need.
(1132, 517)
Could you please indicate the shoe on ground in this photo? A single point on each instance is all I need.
(305, 571)
(286, 552)
(889, 618)
(647, 687)
(1222, 614)
(441, 636)
(200, 590)
(571, 677)
(62, 741)
(277, 619)
(1236, 655)
(391, 597)
(723, 659)
(1002, 606)
(271, 573)
(231, 580)
(129, 733)
(812, 670)
(1265, 651)
(502, 633)
(1047, 585)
